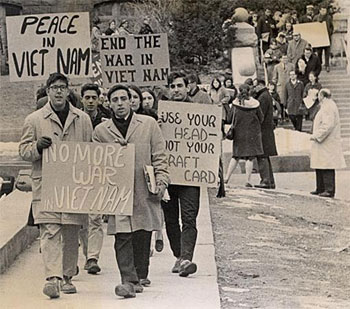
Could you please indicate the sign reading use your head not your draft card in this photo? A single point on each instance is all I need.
(192, 134)
(92, 178)
(43, 44)
(142, 60)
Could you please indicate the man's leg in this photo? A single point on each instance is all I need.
(189, 203)
(327, 53)
(319, 181)
(293, 120)
(95, 242)
(171, 218)
(329, 181)
(299, 123)
(125, 260)
(263, 165)
(141, 242)
(51, 250)
(271, 177)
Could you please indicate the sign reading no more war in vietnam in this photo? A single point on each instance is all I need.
(88, 178)
(192, 134)
(43, 44)
(142, 60)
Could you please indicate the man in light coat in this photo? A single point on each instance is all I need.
(296, 48)
(133, 233)
(326, 146)
(57, 121)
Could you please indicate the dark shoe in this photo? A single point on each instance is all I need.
(187, 268)
(315, 192)
(263, 186)
(138, 287)
(67, 286)
(77, 271)
(327, 68)
(92, 267)
(52, 287)
(326, 194)
(145, 282)
(248, 185)
(125, 290)
(159, 245)
(176, 267)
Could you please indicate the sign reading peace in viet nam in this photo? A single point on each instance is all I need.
(192, 134)
(135, 59)
(88, 178)
(43, 44)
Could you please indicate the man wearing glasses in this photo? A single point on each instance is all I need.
(56, 121)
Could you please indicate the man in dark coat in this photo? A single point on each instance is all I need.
(308, 62)
(308, 17)
(294, 101)
(265, 29)
(325, 16)
(267, 180)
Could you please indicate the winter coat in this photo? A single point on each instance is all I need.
(313, 65)
(247, 140)
(295, 50)
(267, 126)
(146, 135)
(329, 22)
(45, 122)
(200, 96)
(294, 98)
(280, 77)
(326, 151)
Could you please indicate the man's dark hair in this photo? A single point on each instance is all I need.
(54, 77)
(90, 86)
(118, 87)
(175, 75)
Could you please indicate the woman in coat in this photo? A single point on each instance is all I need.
(247, 142)
(326, 149)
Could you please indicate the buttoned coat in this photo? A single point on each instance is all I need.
(280, 77)
(294, 97)
(146, 135)
(45, 122)
(296, 50)
(326, 151)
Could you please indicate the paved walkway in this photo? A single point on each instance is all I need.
(21, 286)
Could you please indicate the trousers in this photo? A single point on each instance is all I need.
(59, 245)
(184, 200)
(325, 181)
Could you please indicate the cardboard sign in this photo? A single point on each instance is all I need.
(192, 134)
(142, 60)
(315, 33)
(88, 178)
(43, 44)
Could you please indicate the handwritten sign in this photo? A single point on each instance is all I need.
(135, 59)
(192, 134)
(88, 178)
(315, 33)
(43, 44)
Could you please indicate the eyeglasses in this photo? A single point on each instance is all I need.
(61, 88)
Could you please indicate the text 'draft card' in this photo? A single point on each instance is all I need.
(192, 134)
(88, 178)
(142, 60)
(43, 44)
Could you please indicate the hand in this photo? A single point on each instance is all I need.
(121, 141)
(160, 122)
(160, 189)
(43, 142)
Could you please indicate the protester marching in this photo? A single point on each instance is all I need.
(131, 150)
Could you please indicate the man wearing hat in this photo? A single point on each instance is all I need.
(296, 48)
(309, 16)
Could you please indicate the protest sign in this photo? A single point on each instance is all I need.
(43, 44)
(142, 60)
(315, 33)
(88, 178)
(192, 134)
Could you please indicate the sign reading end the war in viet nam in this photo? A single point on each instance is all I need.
(142, 60)
(192, 134)
(43, 44)
(88, 178)
(315, 33)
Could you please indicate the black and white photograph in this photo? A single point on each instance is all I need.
(189, 154)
